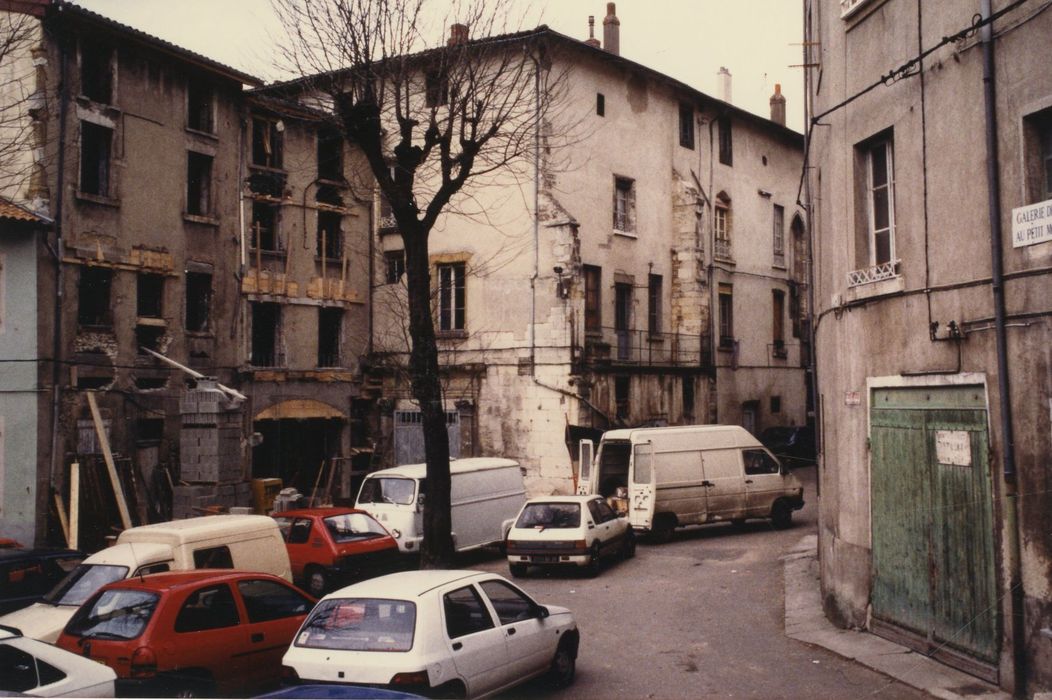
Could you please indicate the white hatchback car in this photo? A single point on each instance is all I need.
(43, 670)
(446, 633)
(568, 531)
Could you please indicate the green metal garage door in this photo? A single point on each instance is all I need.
(933, 565)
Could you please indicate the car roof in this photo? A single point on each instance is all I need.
(456, 466)
(563, 499)
(171, 580)
(320, 512)
(408, 584)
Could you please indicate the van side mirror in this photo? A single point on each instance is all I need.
(420, 499)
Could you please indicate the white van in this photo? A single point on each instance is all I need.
(686, 475)
(486, 494)
(245, 542)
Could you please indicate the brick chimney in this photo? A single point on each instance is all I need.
(612, 30)
(458, 34)
(778, 105)
(724, 78)
(591, 40)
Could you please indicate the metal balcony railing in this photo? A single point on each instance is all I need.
(642, 348)
(723, 249)
(884, 271)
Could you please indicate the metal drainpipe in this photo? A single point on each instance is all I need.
(993, 185)
(812, 334)
(60, 185)
(536, 213)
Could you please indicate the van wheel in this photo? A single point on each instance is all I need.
(781, 515)
(661, 532)
(317, 581)
(592, 568)
(517, 570)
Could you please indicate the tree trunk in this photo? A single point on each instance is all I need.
(436, 550)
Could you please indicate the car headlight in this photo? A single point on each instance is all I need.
(396, 533)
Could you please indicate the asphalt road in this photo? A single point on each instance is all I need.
(700, 616)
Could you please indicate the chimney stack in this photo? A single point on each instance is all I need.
(591, 40)
(458, 34)
(778, 105)
(612, 30)
(724, 78)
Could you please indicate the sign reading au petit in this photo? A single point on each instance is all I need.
(1032, 224)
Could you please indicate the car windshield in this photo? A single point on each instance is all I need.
(80, 583)
(115, 614)
(360, 624)
(553, 515)
(387, 490)
(353, 526)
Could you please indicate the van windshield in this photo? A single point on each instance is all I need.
(80, 583)
(116, 614)
(387, 490)
(613, 466)
(550, 515)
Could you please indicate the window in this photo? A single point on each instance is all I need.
(623, 318)
(265, 226)
(93, 297)
(95, 145)
(96, 72)
(266, 318)
(330, 234)
(199, 106)
(330, 154)
(593, 315)
(267, 143)
(268, 600)
(19, 670)
(654, 305)
(722, 227)
(726, 141)
(147, 336)
(213, 558)
(386, 222)
(726, 302)
(436, 88)
(149, 431)
(299, 532)
(1037, 135)
(621, 393)
(759, 462)
(624, 204)
(778, 236)
(686, 125)
(208, 609)
(360, 624)
(600, 104)
(510, 605)
(149, 296)
(451, 297)
(778, 321)
(688, 397)
(776, 404)
(116, 614)
(330, 328)
(198, 301)
(880, 188)
(601, 512)
(465, 613)
(198, 184)
(394, 261)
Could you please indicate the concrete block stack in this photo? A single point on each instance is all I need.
(211, 454)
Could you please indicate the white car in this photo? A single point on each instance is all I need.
(568, 531)
(43, 670)
(446, 633)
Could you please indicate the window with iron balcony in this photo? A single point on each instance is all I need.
(875, 249)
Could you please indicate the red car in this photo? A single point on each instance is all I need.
(190, 633)
(329, 546)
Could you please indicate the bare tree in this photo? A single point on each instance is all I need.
(21, 104)
(429, 120)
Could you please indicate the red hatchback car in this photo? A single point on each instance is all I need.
(190, 633)
(330, 546)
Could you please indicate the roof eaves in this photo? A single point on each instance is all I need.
(9, 211)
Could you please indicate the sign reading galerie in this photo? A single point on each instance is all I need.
(1032, 224)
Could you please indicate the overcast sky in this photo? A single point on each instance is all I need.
(757, 40)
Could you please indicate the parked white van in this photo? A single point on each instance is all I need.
(245, 542)
(686, 475)
(486, 494)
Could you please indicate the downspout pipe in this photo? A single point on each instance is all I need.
(1011, 486)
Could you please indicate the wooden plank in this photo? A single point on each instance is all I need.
(60, 507)
(74, 505)
(118, 492)
(317, 480)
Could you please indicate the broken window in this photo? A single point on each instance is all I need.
(330, 236)
(149, 295)
(198, 184)
(96, 72)
(436, 89)
(93, 297)
(267, 142)
(726, 141)
(330, 326)
(330, 154)
(654, 305)
(265, 226)
(266, 320)
(199, 105)
(686, 125)
(149, 431)
(593, 315)
(621, 394)
(726, 303)
(198, 301)
(95, 144)
(778, 321)
(148, 336)
(451, 297)
(624, 204)
(395, 264)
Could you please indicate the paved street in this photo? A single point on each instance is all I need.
(700, 616)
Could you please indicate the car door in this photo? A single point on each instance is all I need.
(297, 542)
(207, 636)
(273, 612)
(724, 483)
(763, 481)
(605, 524)
(530, 641)
(475, 643)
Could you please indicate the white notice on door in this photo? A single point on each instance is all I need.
(953, 447)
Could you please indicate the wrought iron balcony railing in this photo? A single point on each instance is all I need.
(642, 348)
(884, 271)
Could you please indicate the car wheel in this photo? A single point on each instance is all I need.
(781, 515)
(317, 582)
(450, 691)
(592, 568)
(517, 570)
(628, 546)
(563, 668)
